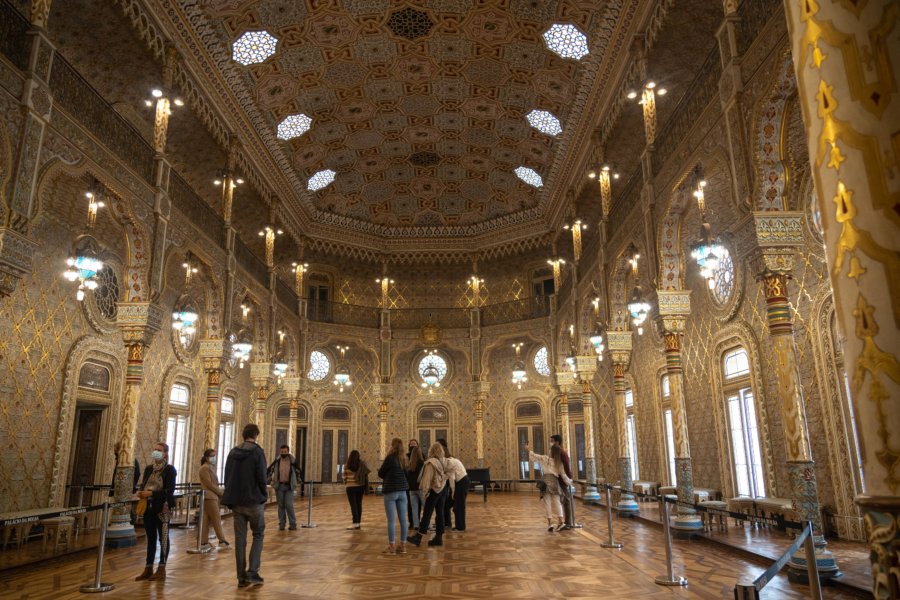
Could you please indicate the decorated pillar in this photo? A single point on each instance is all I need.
(291, 387)
(261, 376)
(384, 392)
(138, 322)
(480, 390)
(586, 366)
(565, 380)
(674, 308)
(620, 344)
(845, 56)
(213, 353)
(776, 264)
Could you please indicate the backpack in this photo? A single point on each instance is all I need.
(363, 474)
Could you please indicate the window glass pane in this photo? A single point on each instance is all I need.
(319, 366)
(541, 365)
(632, 446)
(327, 450)
(629, 398)
(179, 396)
(752, 432)
(227, 405)
(670, 445)
(94, 376)
(524, 467)
(579, 452)
(226, 442)
(528, 409)
(666, 391)
(739, 446)
(433, 360)
(176, 438)
(736, 363)
(854, 435)
(342, 451)
(283, 412)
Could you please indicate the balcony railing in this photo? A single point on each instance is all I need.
(516, 310)
(201, 214)
(444, 318)
(249, 261)
(323, 311)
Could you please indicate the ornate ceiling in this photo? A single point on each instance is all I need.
(419, 108)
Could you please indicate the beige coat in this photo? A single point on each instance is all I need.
(210, 483)
(433, 476)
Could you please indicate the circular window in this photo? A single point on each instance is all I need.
(541, 365)
(814, 216)
(107, 293)
(319, 366)
(433, 360)
(723, 278)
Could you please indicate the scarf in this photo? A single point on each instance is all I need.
(154, 482)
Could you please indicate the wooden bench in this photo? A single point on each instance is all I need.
(709, 518)
(57, 528)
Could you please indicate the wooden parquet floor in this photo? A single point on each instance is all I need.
(506, 554)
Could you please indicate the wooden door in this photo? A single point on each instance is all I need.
(85, 446)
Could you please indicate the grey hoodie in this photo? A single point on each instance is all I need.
(245, 476)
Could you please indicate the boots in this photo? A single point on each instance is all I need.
(160, 574)
(145, 574)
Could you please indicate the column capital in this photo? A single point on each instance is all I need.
(620, 345)
(383, 390)
(674, 302)
(481, 388)
(291, 386)
(260, 373)
(778, 234)
(138, 321)
(565, 379)
(586, 366)
(214, 354)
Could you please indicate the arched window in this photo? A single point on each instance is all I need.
(432, 424)
(746, 452)
(723, 279)
(666, 390)
(541, 362)
(631, 433)
(178, 429)
(94, 376)
(226, 434)
(335, 442)
(529, 430)
(319, 366)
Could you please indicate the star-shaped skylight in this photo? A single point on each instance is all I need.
(253, 47)
(294, 126)
(544, 122)
(320, 180)
(529, 176)
(566, 40)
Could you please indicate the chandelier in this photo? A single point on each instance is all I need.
(707, 251)
(242, 347)
(341, 373)
(638, 308)
(84, 265)
(596, 340)
(431, 377)
(519, 375)
(184, 318)
(279, 366)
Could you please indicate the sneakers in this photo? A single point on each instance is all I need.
(281, 528)
(242, 583)
(224, 544)
(354, 526)
(435, 542)
(254, 579)
(390, 550)
(292, 528)
(561, 527)
(402, 548)
(415, 539)
(551, 528)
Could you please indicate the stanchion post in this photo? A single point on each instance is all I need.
(669, 578)
(202, 546)
(812, 568)
(575, 524)
(80, 496)
(97, 586)
(609, 521)
(309, 524)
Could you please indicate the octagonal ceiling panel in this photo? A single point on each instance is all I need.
(419, 107)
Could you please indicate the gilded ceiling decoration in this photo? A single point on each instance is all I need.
(411, 119)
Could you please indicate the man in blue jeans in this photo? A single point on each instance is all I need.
(246, 495)
(284, 475)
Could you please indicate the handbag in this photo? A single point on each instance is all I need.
(141, 507)
(541, 485)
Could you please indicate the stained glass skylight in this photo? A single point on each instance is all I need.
(320, 180)
(253, 47)
(544, 122)
(529, 176)
(541, 365)
(319, 366)
(294, 126)
(566, 40)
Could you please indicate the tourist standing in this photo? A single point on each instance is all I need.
(246, 495)
(416, 495)
(355, 478)
(566, 491)
(413, 443)
(434, 482)
(284, 476)
(156, 498)
(212, 492)
(552, 469)
(394, 487)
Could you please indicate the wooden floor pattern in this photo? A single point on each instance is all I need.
(506, 554)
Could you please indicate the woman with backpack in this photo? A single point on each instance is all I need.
(552, 470)
(434, 483)
(356, 473)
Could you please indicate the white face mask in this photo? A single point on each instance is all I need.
(212, 460)
(157, 455)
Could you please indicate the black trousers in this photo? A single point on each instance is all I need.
(156, 530)
(459, 503)
(434, 503)
(355, 496)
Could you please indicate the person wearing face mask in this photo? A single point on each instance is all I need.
(157, 490)
(212, 491)
(284, 475)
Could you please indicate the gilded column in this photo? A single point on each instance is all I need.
(777, 264)
(845, 56)
(586, 367)
(565, 380)
(260, 375)
(480, 390)
(674, 307)
(212, 352)
(138, 321)
(291, 387)
(384, 392)
(620, 350)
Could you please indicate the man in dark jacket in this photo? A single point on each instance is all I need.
(246, 495)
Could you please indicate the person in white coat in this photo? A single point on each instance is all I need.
(552, 471)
